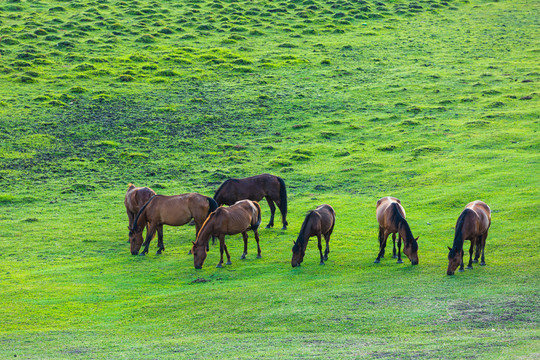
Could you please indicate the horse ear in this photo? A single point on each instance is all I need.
(449, 248)
(418, 237)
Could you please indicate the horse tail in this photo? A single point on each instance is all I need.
(458, 237)
(142, 209)
(258, 207)
(218, 192)
(213, 205)
(282, 197)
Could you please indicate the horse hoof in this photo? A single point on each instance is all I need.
(461, 270)
(400, 261)
(219, 266)
(158, 252)
(377, 261)
(475, 261)
(469, 268)
(228, 263)
(243, 256)
(325, 258)
(321, 263)
(394, 256)
(269, 226)
(284, 228)
(142, 254)
(482, 264)
(259, 256)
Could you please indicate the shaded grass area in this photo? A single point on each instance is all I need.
(433, 102)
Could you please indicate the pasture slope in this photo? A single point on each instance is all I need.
(434, 102)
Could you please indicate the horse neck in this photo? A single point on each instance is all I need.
(405, 231)
(459, 236)
(303, 236)
(203, 237)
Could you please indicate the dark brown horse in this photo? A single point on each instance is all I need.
(255, 188)
(238, 218)
(318, 222)
(135, 198)
(391, 219)
(473, 224)
(174, 210)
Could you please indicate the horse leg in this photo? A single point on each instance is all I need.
(245, 237)
(227, 252)
(272, 211)
(461, 269)
(256, 232)
(483, 245)
(381, 234)
(327, 250)
(399, 261)
(477, 249)
(161, 247)
(382, 242)
(149, 236)
(131, 218)
(471, 250)
(221, 248)
(394, 249)
(319, 244)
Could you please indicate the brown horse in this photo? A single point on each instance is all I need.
(473, 224)
(238, 218)
(174, 210)
(318, 222)
(136, 197)
(255, 188)
(391, 219)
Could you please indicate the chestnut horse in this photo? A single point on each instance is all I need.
(391, 219)
(136, 197)
(238, 218)
(255, 188)
(174, 210)
(473, 224)
(318, 222)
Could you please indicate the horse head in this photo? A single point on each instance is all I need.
(136, 240)
(411, 251)
(454, 260)
(199, 255)
(298, 254)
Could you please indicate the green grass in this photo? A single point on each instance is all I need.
(434, 102)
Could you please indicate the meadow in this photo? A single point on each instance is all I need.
(433, 102)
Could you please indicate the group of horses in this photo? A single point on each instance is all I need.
(148, 210)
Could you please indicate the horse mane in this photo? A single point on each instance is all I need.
(135, 227)
(458, 237)
(400, 222)
(300, 240)
(220, 188)
(282, 195)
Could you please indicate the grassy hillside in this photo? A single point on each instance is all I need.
(434, 102)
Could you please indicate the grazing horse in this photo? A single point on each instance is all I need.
(318, 222)
(255, 188)
(136, 197)
(391, 219)
(472, 224)
(174, 210)
(238, 218)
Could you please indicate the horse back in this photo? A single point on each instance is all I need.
(385, 212)
(136, 197)
(483, 213)
(327, 217)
